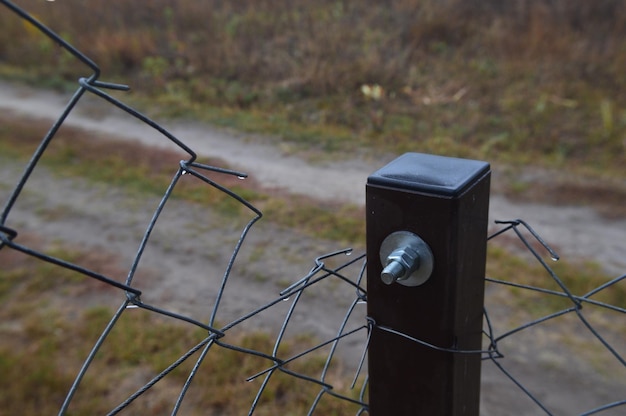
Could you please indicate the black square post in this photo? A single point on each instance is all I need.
(444, 202)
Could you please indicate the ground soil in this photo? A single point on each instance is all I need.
(182, 266)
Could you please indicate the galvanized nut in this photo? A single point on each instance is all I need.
(406, 259)
(400, 264)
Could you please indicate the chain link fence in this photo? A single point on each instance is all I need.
(516, 311)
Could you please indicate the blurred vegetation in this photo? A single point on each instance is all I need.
(522, 81)
(519, 81)
(51, 317)
(579, 276)
(149, 170)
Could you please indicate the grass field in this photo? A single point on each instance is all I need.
(51, 317)
(46, 335)
(522, 82)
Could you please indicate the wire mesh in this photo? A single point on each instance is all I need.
(549, 300)
(216, 334)
(353, 325)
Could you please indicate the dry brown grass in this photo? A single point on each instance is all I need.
(322, 47)
(51, 317)
(606, 194)
(528, 81)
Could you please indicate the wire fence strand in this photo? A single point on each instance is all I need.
(353, 326)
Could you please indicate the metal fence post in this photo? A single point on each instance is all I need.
(444, 201)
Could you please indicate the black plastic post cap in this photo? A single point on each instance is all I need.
(440, 175)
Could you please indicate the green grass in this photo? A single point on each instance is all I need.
(580, 277)
(516, 83)
(511, 307)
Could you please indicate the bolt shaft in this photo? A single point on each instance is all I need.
(392, 272)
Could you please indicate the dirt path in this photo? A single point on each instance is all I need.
(577, 232)
(189, 248)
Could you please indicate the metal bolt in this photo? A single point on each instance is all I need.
(392, 272)
(400, 264)
(407, 259)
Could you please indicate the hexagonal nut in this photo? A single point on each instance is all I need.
(407, 257)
